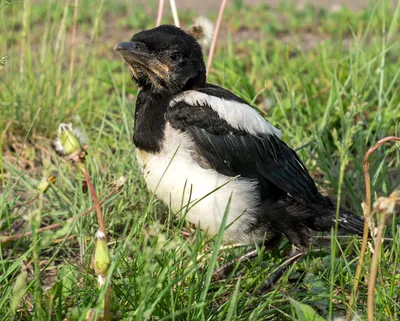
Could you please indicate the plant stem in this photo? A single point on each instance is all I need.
(367, 215)
(107, 304)
(55, 225)
(24, 37)
(73, 45)
(174, 13)
(160, 12)
(214, 41)
(35, 221)
(374, 269)
(102, 228)
(95, 199)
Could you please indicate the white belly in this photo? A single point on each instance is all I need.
(180, 182)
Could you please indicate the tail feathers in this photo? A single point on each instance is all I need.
(351, 223)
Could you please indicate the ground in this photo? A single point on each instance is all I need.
(326, 75)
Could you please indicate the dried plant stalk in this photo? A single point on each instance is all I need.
(367, 215)
(95, 199)
(214, 41)
(387, 206)
(159, 12)
(73, 45)
(174, 13)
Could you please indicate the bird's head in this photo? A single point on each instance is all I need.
(164, 60)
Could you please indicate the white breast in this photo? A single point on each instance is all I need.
(177, 179)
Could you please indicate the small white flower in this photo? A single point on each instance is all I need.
(203, 31)
(100, 235)
(101, 280)
(69, 140)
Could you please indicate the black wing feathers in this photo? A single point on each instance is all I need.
(182, 116)
(255, 157)
(235, 152)
(220, 92)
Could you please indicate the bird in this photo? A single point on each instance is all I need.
(200, 147)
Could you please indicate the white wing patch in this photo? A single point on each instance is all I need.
(238, 115)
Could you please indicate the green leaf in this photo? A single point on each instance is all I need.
(305, 312)
(67, 280)
(214, 256)
(18, 291)
(233, 303)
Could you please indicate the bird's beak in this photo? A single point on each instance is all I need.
(133, 51)
(137, 53)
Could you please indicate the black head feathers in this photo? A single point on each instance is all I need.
(164, 60)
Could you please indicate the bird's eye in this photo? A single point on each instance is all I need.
(174, 56)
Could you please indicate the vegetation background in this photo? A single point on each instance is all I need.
(327, 76)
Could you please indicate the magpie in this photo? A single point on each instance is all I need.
(198, 144)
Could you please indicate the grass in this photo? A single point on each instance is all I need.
(329, 80)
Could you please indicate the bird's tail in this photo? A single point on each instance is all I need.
(350, 222)
(347, 221)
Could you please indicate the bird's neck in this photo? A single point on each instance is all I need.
(199, 81)
(150, 121)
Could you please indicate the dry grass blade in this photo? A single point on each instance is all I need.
(73, 45)
(386, 205)
(160, 12)
(367, 215)
(174, 13)
(214, 41)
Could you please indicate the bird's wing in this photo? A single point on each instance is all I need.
(236, 140)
